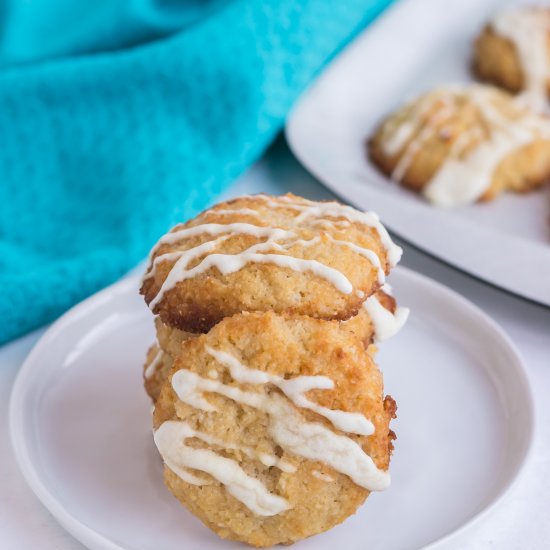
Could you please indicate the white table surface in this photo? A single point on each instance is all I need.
(521, 521)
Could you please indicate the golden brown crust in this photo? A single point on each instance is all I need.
(287, 347)
(198, 303)
(449, 125)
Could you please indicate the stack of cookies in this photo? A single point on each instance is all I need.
(269, 412)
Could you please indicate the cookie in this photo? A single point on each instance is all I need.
(262, 253)
(274, 428)
(378, 319)
(458, 145)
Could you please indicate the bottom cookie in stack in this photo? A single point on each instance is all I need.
(274, 428)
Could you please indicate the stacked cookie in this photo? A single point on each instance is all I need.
(269, 408)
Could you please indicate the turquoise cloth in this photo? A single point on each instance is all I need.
(119, 118)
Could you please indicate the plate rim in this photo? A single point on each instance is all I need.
(72, 524)
(94, 539)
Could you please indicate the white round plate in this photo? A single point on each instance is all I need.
(81, 429)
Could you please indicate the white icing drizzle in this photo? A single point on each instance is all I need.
(527, 29)
(152, 367)
(310, 440)
(386, 324)
(367, 253)
(460, 181)
(402, 133)
(210, 229)
(362, 251)
(416, 144)
(325, 224)
(316, 442)
(463, 181)
(295, 389)
(239, 228)
(189, 255)
(230, 263)
(321, 476)
(267, 459)
(272, 460)
(229, 212)
(310, 209)
(170, 440)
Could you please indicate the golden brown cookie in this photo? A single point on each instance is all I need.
(274, 428)
(513, 51)
(378, 319)
(457, 145)
(262, 253)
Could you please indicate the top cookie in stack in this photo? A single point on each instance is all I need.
(260, 253)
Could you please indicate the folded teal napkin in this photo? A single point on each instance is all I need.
(119, 118)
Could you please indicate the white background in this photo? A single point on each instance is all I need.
(521, 521)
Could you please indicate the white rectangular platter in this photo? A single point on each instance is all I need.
(414, 46)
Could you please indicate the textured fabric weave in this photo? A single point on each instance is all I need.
(101, 153)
